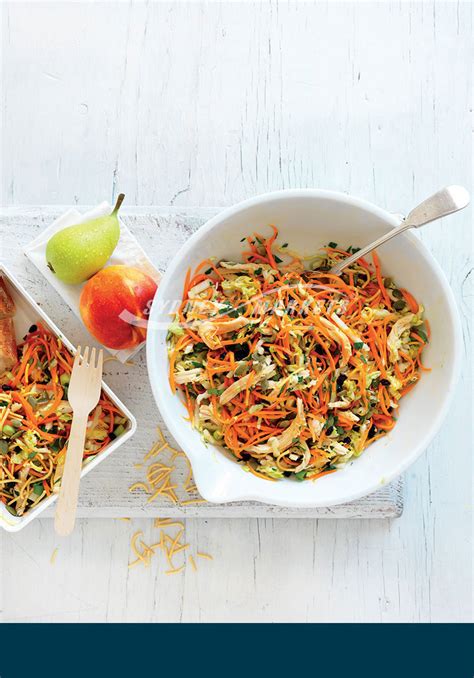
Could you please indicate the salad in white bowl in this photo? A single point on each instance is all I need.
(272, 369)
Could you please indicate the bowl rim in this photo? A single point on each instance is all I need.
(269, 491)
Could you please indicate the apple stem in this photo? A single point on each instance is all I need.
(118, 203)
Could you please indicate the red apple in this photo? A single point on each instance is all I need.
(114, 306)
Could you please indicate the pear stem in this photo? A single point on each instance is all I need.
(118, 203)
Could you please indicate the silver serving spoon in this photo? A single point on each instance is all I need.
(446, 201)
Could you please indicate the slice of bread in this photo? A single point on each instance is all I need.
(8, 350)
(7, 307)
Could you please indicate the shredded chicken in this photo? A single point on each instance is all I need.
(397, 330)
(189, 376)
(340, 338)
(238, 386)
(282, 442)
(209, 330)
(346, 329)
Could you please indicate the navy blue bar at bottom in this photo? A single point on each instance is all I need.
(264, 650)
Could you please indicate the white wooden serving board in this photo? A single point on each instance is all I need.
(105, 492)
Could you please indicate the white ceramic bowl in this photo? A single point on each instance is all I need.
(307, 219)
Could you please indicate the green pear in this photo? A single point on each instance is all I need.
(76, 253)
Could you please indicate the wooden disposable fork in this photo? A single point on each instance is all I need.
(83, 395)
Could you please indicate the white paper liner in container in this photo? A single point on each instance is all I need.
(128, 252)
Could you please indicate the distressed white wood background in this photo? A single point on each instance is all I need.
(204, 104)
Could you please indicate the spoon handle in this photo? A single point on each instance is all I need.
(446, 201)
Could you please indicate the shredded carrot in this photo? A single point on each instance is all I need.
(411, 301)
(320, 475)
(378, 273)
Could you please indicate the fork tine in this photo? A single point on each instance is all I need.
(100, 360)
(77, 358)
(92, 359)
(85, 357)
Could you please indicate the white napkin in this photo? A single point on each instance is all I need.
(127, 252)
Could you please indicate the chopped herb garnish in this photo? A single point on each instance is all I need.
(333, 245)
(358, 344)
(422, 335)
(277, 259)
(200, 346)
(329, 422)
(225, 311)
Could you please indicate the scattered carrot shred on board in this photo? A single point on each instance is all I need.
(159, 483)
(206, 556)
(175, 570)
(170, 544)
